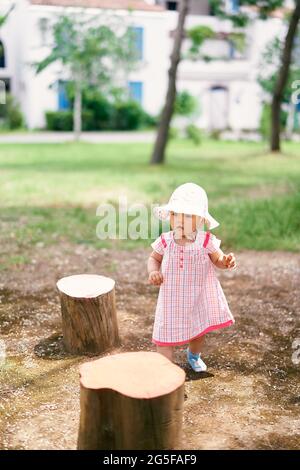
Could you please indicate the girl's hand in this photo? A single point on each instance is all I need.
(156, 278)
(229, 261)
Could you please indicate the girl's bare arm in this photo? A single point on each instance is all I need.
(153, 265)
(223, 261)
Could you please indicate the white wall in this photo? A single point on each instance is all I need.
(238, 76)
(154, 68)
(23, 42)
(37, 95)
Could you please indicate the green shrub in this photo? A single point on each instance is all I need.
(14, 115)
(265, 121)
(194, 134)
(129, 116)
(59, 120)
(150, 121)
(215, 134)
(101, 114)
(185, 104)
(88, 120)
(116, 113)
(63, 121)
(10, 114)
(101, 108)
(173, 133)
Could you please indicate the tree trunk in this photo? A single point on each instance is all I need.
(89, 319)
(132, 401)
(77, 114)
(164, 125)
(282, 78)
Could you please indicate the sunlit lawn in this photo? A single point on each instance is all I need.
(50, 193)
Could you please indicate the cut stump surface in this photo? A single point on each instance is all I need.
(131, 401)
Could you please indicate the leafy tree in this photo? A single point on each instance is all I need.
(269, 65)
(283, 75)
(92, 54)
(198, 34)
(262, 9)
(168, 109)
(3, 18)
(185, 104)
(249, 10)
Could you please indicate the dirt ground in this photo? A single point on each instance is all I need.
(248, 399)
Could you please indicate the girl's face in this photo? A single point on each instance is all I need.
(185, 223)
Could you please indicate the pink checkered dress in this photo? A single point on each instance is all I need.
(191, 301)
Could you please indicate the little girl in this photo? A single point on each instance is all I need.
(191, 301)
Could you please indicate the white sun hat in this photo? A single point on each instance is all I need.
(189, 198)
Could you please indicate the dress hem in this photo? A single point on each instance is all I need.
(207, 330)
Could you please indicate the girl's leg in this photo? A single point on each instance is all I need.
(196, 345)
(166, 351)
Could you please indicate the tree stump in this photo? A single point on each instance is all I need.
(89, 319)
(131, 401)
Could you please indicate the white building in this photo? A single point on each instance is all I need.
(227, 89)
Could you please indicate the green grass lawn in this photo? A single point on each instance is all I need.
(50, 192)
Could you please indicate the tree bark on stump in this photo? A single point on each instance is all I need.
(89, 319)
(131, 401)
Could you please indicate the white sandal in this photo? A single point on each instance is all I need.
(195, 361)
